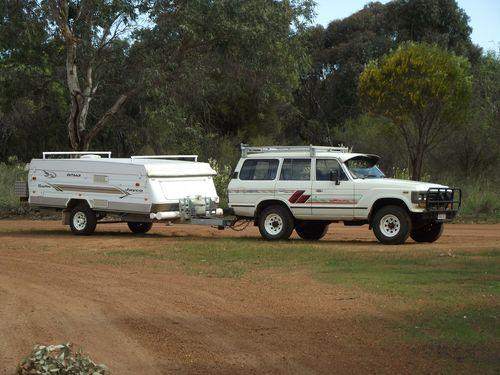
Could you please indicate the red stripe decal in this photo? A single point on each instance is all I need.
(303, 199)
(293, 198)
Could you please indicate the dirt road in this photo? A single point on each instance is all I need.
(143, 319)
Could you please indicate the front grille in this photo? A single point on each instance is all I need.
(443, 199)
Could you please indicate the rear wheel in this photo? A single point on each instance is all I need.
(391, 225)
(276, 223)
(82, 220)
(139, 227)
(429, 232)
(310, 230)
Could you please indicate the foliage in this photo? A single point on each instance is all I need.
(474, 149)
(222, 179)
(203, 76)
(424, 90)
(480, 201)
(328, 95)
(59, 359)
(10, 172)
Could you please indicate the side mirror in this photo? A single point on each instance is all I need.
(334, 176)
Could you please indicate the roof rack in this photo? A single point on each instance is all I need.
(76, 153)
(247, 150)
(175, 157)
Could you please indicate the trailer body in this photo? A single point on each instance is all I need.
(136, 189)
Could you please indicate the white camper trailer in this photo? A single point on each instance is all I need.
(141, 190)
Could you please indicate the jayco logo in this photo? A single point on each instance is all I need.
(49, 174)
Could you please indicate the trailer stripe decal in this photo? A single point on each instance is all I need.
(90, 189)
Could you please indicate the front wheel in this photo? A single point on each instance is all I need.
(429, 232)
(276, 223)
(139, 227)
(82, 221)
(311, 231)
(391, 225)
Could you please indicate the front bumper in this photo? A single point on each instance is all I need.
(442, 204)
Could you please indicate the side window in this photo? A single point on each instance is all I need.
(259, 169)
(325, 166)
(296, 169)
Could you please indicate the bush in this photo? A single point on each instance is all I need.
(222, 179)
(9, 173)
(59, 359)
(480, 202)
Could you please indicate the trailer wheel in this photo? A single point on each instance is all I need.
(82, 221)
(310, 230)
(139, 227)
(275, 223)
(391, 225)
(430, 232)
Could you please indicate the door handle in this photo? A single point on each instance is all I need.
(319, 191)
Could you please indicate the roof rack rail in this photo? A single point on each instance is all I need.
(247, 150)
(175, 157)
(75, 153)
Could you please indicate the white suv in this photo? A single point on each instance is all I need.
(308, 187)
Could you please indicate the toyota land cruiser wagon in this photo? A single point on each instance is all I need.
(305, 188)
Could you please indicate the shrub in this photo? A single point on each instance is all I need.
(59, 359)
(222, 179)
(9, 173)
(481, 201)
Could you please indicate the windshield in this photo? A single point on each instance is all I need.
(364, 167)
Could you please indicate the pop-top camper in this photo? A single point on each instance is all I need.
(88, 186)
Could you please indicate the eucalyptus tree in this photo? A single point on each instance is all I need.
(89, 31)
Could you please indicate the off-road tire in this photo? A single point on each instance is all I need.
(429, 232)
(82, 221)
(139, 227)
(310, 230)
(387, 216)
(283, 219)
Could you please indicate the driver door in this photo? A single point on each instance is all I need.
(331, 200)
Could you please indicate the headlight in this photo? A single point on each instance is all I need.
(419, 198)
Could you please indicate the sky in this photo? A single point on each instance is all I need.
(484, 17)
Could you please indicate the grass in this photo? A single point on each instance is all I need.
(447, 302)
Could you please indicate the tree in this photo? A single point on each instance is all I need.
(89, 29)
(348, 44)
(424, 90)
(475, 149)
(32, 88)
(230, 67)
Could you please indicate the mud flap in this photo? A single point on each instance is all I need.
(65, 216)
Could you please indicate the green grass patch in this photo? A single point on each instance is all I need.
(444, 303)
(473, 325)
(405, 273)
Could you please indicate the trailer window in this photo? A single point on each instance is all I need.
(296, 169)
(259, 169)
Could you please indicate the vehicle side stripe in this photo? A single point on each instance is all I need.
(303, 199)
(293, 198)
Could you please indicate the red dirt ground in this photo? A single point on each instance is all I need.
(165, 321)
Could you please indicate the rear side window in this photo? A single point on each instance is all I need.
(296, 169)
(259, 169)
(325, 166)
